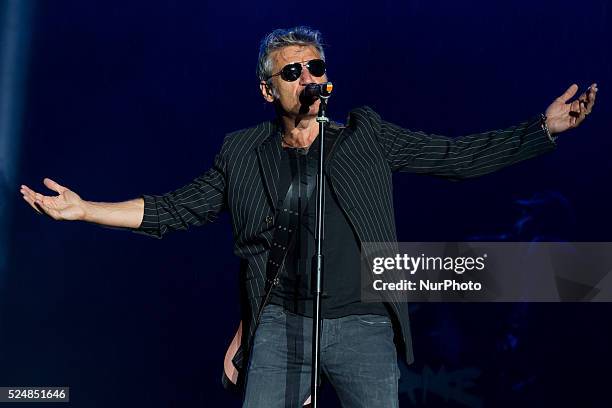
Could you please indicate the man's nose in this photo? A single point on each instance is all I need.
(306, 77)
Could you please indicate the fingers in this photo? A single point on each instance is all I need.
(569, 113)
(27, 193)
(586, 101)
(591, 94)
(32, 204)
(34, 199)
(582, 114)
(33, 195)
(52, 185)
(574, 112)
(588, 98)
(567, 95)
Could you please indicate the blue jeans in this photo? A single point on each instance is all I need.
(358, 357)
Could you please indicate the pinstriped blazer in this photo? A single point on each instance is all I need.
(244, 177)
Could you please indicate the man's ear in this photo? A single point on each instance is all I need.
(266, 91)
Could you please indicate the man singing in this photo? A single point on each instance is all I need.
(265, 176)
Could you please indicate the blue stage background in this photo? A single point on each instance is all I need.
(125, 98)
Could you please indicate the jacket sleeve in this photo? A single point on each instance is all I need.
(196, 203)
(460, 157)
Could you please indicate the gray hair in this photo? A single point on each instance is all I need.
(280, 38)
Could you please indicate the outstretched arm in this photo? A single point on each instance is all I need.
(193, 204)
(69, 206)
(480, 153)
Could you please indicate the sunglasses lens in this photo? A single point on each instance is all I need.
(316, 67)
(291, 72)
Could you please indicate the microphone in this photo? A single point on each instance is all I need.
(322, 90)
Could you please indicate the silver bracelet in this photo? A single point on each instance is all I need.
(552, 138)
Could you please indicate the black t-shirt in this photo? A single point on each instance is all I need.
(342, 260)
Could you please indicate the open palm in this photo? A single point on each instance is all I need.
(562, 115)
(65, 206)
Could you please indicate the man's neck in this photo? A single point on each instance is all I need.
(300, 131)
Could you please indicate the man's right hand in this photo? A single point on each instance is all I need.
(65, 206)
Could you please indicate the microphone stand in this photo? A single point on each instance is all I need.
(318, 261)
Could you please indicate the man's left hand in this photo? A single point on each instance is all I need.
(563, 114)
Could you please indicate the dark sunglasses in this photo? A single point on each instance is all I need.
(291, 72)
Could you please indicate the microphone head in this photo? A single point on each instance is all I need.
(326, 88)
(314, 90)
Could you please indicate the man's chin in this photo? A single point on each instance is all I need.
(299, 110)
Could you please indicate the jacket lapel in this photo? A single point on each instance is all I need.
(343, 132)
(269, 155)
